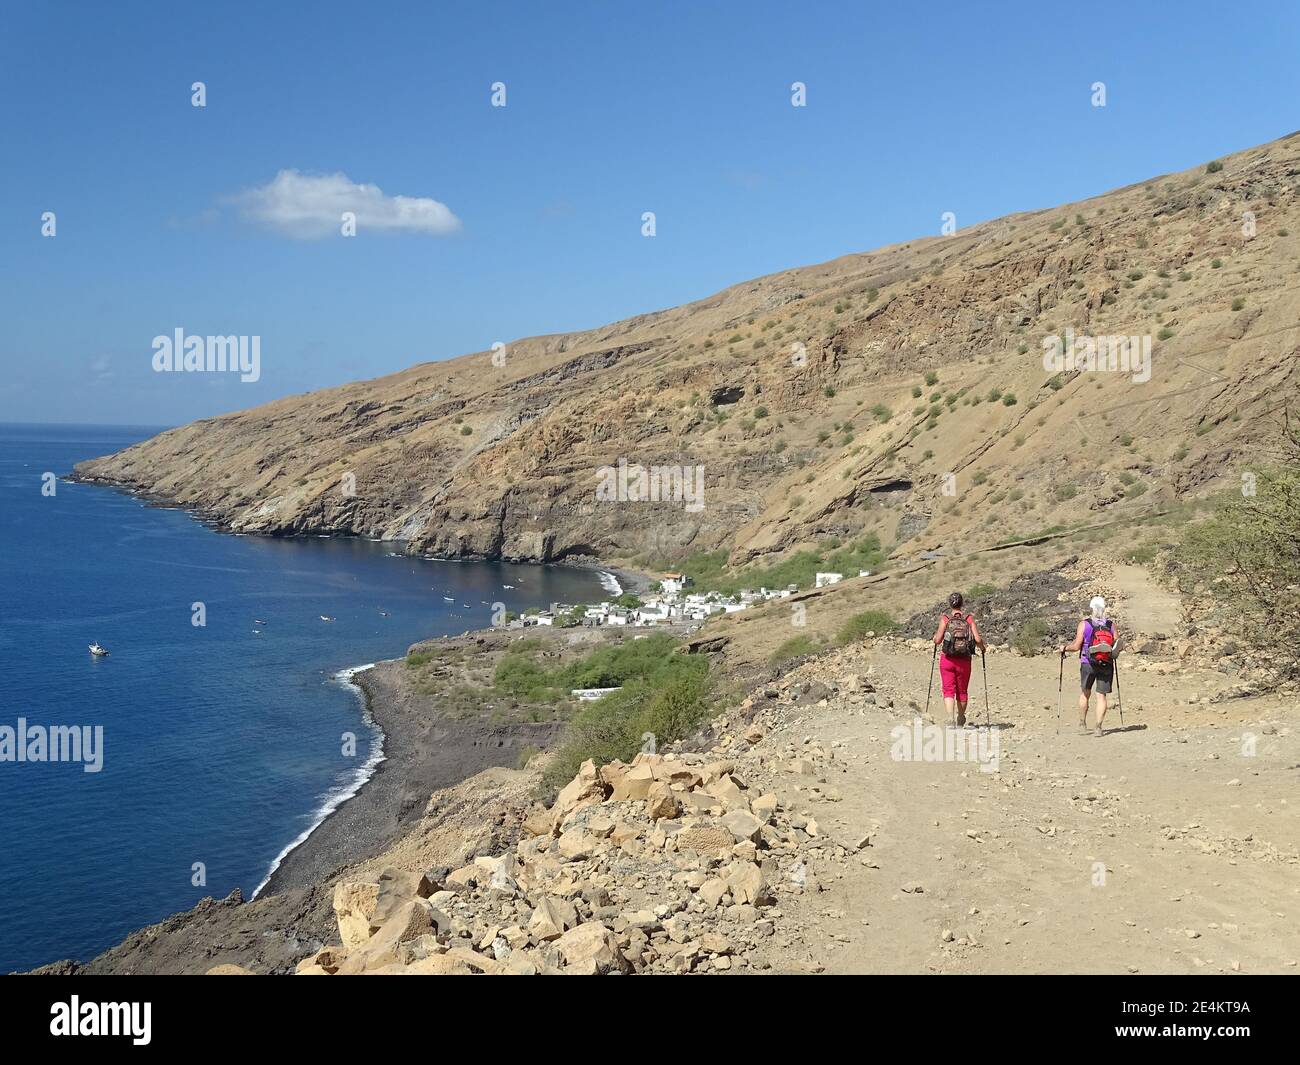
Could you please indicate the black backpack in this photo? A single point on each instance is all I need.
(958, 639)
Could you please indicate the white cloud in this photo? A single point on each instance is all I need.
(305, 206)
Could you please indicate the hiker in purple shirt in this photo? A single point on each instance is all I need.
(1097, 642)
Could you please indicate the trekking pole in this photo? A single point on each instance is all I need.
(929, 686)
(1119, 703)
(1060, 683)
(988, 720)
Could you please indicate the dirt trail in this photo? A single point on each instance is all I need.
(1161, 847)
(1147, 606)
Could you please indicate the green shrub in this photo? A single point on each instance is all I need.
(1247, 554)
(857, 627)
(795, 647)
(668, 705)
(1029, 636)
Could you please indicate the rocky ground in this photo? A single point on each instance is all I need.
(803, 842)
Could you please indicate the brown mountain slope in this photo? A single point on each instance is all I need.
(804, 397)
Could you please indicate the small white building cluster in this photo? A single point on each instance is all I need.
(674, 602)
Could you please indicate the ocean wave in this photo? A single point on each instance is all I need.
(340, 795)
(610, 583)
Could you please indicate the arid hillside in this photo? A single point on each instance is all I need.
(902, 392)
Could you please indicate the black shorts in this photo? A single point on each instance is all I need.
(1098, 677)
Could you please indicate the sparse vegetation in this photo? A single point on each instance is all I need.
(710, 573)
(795, 647)
(663, 693)
(1247, 555)
(1029, 636)
(857, 627)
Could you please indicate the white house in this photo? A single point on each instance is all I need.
(674, 584)
(824, 579)
(653, 613)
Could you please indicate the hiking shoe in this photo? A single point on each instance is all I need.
(1084, 730)
(1098, 731)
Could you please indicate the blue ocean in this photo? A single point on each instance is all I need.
(222, 743)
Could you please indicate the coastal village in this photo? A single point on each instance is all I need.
(670, 602)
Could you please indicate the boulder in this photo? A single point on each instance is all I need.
(414, 918)
(747, 885)
(705, 839)
(591, 947)
(634, 784)
(712, 891)
(743, 825)
(325, 962)
(661, 801)
(551, 917)
(397, 886)
(575, 843)
(583, 790)
(354, 906)
(728, 793)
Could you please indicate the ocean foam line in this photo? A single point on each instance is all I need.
(340, 795)
(610, 583)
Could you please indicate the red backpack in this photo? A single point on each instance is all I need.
(1098, 641)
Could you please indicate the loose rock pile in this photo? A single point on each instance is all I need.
(672, 863)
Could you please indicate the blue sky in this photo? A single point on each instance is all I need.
(613, 108)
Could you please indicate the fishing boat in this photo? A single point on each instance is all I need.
(97, 651)
(324, 618)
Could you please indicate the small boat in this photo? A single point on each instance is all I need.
(509, 586)
(97, 651)
(383, 613)
(324, 618)
(258, 621)
(449, 599)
